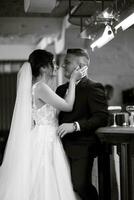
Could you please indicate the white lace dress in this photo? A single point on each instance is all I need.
(49, 166)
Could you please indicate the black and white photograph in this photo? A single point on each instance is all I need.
(67, 99)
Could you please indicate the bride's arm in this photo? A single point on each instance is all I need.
(47, 95)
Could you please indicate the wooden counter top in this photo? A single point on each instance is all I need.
(118, 130)
(116, 135)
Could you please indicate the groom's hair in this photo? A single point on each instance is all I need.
(78, 52)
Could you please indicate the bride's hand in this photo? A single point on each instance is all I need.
(84, 71)
(77, 74)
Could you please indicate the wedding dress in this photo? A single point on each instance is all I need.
(35, 166)
(49, 166)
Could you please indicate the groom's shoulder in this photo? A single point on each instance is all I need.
(91, 82)
(93, 85)
(65, 85)
(62, 88)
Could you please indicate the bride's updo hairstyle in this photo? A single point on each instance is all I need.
(40, 58)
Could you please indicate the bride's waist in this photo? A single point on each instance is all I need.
(46, 122)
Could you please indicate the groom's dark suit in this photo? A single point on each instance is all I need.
(90, 111)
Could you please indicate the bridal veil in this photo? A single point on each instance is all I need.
(15, 169)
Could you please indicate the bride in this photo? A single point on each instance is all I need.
(35, 166)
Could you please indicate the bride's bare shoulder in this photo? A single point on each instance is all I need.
(42, 87)
(39, 85)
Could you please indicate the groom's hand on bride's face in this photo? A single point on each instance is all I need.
(64, 129)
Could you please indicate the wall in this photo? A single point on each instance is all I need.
(113, 63)
(15, 52)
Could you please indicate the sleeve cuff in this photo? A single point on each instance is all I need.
(78, 126)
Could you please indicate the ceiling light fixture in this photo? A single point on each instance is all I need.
(126, 23)
(111, 29)
(91, 31)
(106, 37)
(109, 15)
(105, 18)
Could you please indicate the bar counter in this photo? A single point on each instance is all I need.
(123, 138)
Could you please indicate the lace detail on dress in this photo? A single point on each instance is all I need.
(45, 115)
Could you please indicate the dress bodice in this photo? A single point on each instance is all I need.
(46, 115)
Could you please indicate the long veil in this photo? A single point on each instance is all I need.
(15, 169)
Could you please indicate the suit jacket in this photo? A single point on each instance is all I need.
(90, 111)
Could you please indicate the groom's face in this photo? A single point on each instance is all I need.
(70, 64)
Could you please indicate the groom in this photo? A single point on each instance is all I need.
(77, 128)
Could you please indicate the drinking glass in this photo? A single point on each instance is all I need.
(114, 110)
(130, 110)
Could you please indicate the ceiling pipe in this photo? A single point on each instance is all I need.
(39, 6)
